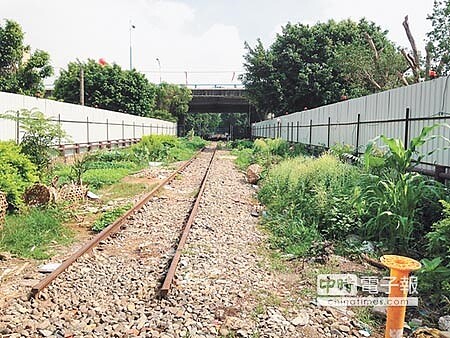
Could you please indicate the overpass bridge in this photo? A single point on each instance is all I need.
(219, 99)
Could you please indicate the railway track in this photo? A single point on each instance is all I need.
(135, 227)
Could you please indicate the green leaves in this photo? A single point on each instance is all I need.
(21, 71)
(17, 172)
(309, 66)
(440, 36)
(393, 200)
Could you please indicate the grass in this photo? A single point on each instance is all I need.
(124, 190)
(108, 217)
(33, 233)
(366, 316)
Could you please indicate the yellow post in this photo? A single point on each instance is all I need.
(400, 268)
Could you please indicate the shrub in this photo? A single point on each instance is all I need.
(166, 148)
(17, 172)
(314, 196)
(439, 237)
(397, 205)
(40, 133)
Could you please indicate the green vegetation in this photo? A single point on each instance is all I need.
(398, 206)
(21, 71)
(109, 217)
(263, 151)
(325, 63)
(17, 172)
(314, 201)
(166, 148)
(308, 199)
(32, 233)
(439, 43)
(40, 133)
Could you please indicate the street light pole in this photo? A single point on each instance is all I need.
(81, 82)
(159, 66)
(131, 51)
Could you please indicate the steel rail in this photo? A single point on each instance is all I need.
(176, 258)
(111, 229)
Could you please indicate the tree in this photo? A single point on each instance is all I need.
(107, 87)
(173, 99)
(439, 36)
(21, 71)
(203, 124)
(309, 66)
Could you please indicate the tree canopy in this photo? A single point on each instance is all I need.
(308, 66)
(128, 91)
(21, 71)
(439, 36)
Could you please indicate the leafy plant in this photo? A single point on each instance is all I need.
(392, 199)
(109, 217)
(434, 282)
(79, 167)
(439, 237)
(40, 134)
(17, 172)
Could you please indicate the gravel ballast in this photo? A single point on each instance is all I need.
(223, 286)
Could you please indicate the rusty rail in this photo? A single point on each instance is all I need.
(176, 258)
(111, 229)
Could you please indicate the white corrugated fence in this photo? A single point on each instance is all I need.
(83, 124)
(399, 113)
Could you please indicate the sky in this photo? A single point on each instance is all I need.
(195, 41)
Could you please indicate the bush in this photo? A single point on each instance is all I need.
(439, 237)
(397, 205)
(40, 133)
(313, 196)
(166, 148)
(17, 172)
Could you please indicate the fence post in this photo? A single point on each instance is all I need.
(439, 169)
(406, 128)
(134, 130)
(329, 130)
(87, 128)
(310, 132)
(107, 129)
(287, 132)
(143, 130)
(17, 127)
(59, 124)
(123, 129)
(298, 129)
(357, 133)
